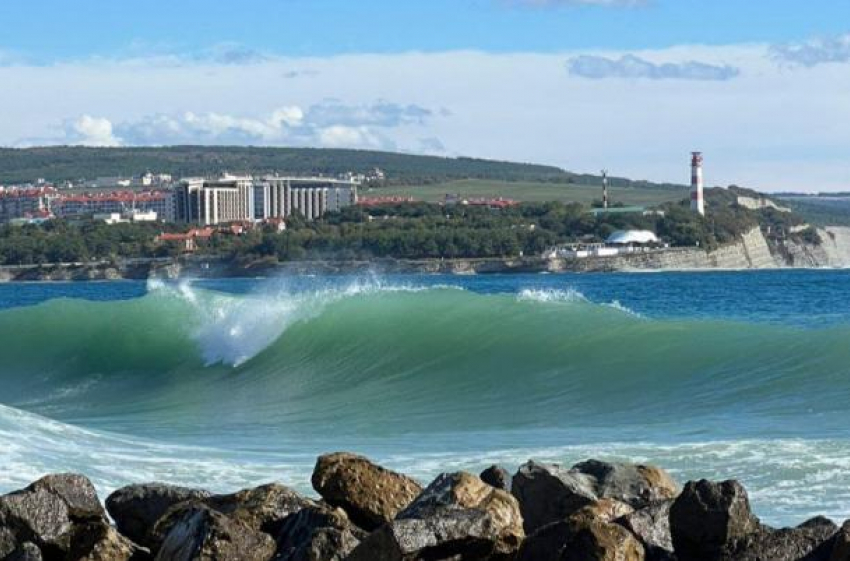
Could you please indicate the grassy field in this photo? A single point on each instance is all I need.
(531, 192)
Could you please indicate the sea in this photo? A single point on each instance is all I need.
(230, 383)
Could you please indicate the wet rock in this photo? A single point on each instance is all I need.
(651, 525)
(497, 477)
(707, 518)
(634, 484)
(548, 493)
(457, 517)
(76, 491)
(582, 537)
(98, 541)
(370, 494)
(27, 551)
(136, 508)
(263, 509)
(607, 510)
(841, 544)
(318, 533)
(197, 532)
(812, 541)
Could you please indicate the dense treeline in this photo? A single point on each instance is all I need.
(399, 231)
(71, 163)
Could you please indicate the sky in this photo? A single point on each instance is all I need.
(632, 86)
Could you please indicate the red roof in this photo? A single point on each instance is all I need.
(117, 197)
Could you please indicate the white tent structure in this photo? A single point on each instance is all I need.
(632, 237)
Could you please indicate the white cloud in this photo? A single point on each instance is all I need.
(91, 131)
(771, 127)
(814, 52)
(631, 66)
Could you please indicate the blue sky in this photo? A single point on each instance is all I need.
(629, 85)
(58, 29)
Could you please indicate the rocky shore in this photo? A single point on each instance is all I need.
(594, 511)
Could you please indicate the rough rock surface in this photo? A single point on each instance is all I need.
(497, 477)
(634, 484)
(811, 541)
(318, 533)
(651, 525)
(582, 537)
(198, 532)
(136, 508)
(841, 544)
(457, 516)
(263, 509)
(40, 517)
(76, 491)
(370, 494)
(98, 541)
(708, 517)
(27, 551)
(548, 493)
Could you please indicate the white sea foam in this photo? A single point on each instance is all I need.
(547, 295)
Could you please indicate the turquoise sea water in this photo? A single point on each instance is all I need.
(230, 383)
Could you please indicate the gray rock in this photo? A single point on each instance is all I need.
(708, 518)
(457, 516)
(634, 484)
(813, 541)
(651, 525)
(548, 493)
(27, 551)
(841, 544)
(136, 508)
(497, 477)
(98, 541)
(263, 509)
(40, 517)
(77, 491)
(198, 532)
(369, 493)
(318, 533)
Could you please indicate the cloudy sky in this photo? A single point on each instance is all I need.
(763, 88)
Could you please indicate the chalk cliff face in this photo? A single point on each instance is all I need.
(833, 252)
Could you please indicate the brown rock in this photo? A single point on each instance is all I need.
(651, 525)
(370, 494)
(582, 537)
(263, 509)
(318, 533)
(457, 516)
(199, 533)
(841, 544)
(98, 541)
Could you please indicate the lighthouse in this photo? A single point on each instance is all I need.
(697, 198)
(605, 189)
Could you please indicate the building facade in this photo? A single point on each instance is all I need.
(312, 197)
(121, 202)
(26, 203)
(215, 201)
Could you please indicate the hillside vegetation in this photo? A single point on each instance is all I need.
(62, 163)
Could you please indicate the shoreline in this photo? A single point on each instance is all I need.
(592, 511)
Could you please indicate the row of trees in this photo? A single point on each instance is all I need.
(400, 231)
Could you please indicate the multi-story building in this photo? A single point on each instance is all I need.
(281, 197)
(120, 202)
(26, 202)
(215, 201)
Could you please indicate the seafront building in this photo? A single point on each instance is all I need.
(312, 197)
(119, 202)
(215, 201)
(33, 203)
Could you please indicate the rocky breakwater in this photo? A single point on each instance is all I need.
(593, 511)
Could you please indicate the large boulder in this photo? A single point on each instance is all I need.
(457, 516)
(76, 491)
(708, 518)
(369, 493)
(582, 537)
(548, 493)
(27, 551)
(634, 484)
(40, 517)
(497, 477)
(813, 541)
(98, 541)
(263, 509)
(318, 533)
(199, 533)
(841, 544)
(136, 508)
(651, 525)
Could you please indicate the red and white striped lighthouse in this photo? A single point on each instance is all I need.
(697, 198)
